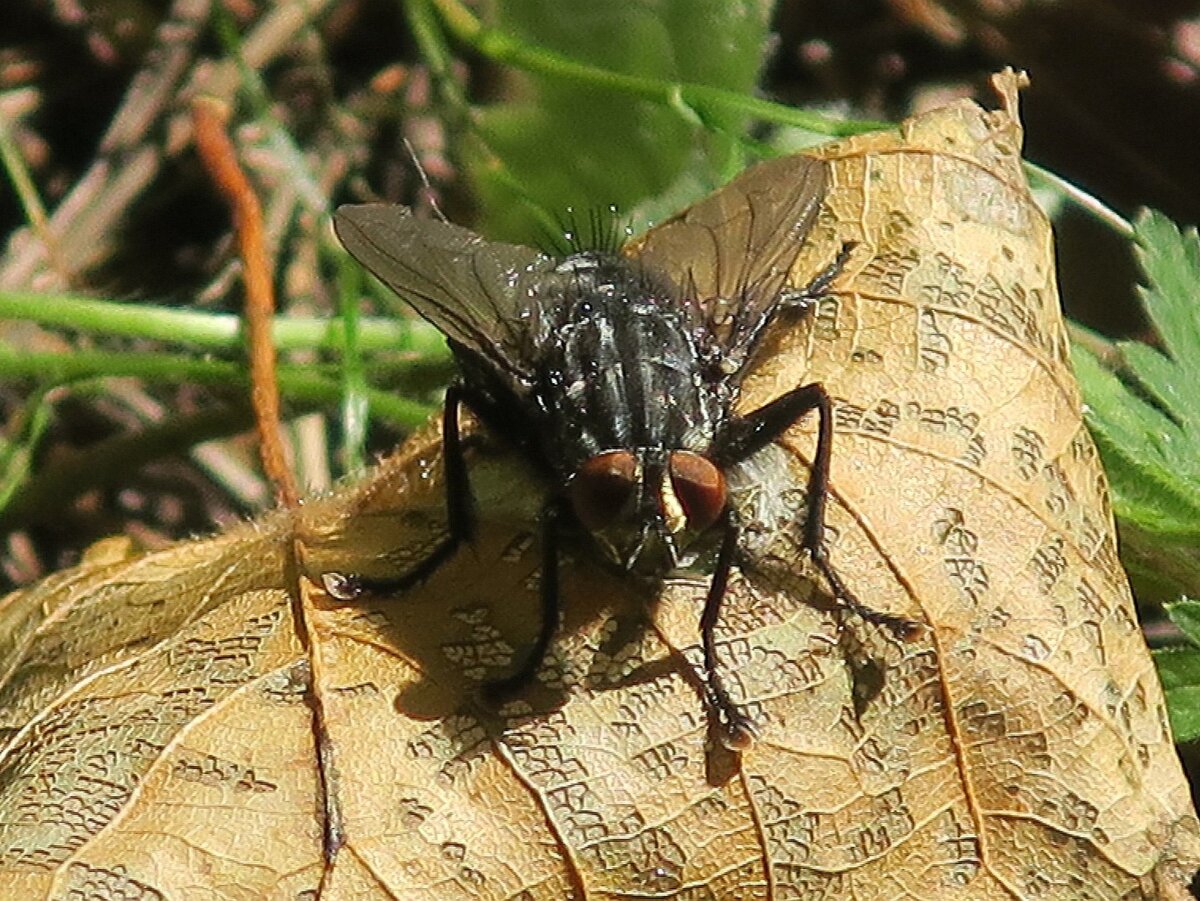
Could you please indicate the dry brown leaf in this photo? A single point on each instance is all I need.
(170, 731)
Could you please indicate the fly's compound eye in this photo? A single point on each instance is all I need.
(603, 488)
(699, 487)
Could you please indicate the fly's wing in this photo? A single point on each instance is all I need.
(477, 293)
(731, 252)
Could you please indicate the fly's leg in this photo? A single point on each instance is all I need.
(739, 731)
(460, 517)
(501, 689)
(819, 286)
(460, 513)
(747, 435)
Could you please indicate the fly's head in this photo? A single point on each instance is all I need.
(646, 508)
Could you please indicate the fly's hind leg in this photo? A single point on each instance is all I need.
(460, 517)
(746, 435)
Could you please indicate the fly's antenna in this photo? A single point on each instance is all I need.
(428, 194)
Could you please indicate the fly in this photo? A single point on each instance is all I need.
(617, 378)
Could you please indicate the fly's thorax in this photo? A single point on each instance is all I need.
(622, 365)
(647, 507)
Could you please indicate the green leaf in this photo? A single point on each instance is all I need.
(1170, 257)
(1145, 412)
(569, 145)
(1179, 670)
(1132, 436)
(1185, 615)
(1183, 708)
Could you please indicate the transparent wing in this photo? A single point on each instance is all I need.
(476, 292)
(732, 251)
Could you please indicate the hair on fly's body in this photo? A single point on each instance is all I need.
(599, 230)
(573, 358)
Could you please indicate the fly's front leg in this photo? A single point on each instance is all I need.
(739, 731)
(500, 690)
(744, 436)
(460, 516)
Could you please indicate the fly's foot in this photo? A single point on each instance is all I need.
(349, 587)
(344, 587)
(738, 732)
(902, 627)
(735, 730)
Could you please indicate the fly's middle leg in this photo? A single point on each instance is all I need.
(460, 517)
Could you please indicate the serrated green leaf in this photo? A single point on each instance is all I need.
(1178, 667)
(1127, 419)
(1170, 258)
(1179, 671)
(1183, 708)
(567, 146)
(1162, 378)
(1186, 616)
(1132, 435)
(1146, 416)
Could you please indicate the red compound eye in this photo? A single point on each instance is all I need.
(700, 488)
(603, 488)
